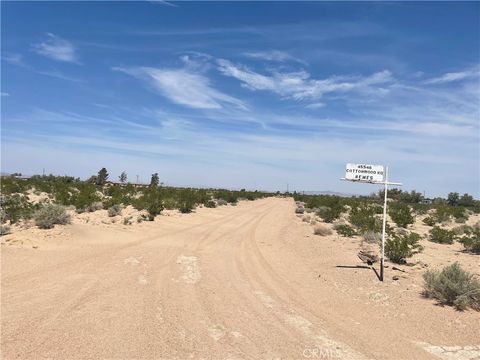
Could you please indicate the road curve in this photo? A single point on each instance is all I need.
(232, 284)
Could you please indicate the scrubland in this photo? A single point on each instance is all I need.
(156, 271)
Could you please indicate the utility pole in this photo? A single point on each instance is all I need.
(137, 179)
(287, 187)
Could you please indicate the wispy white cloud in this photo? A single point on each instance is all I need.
(316, 105)
(56, 48)
(14, 59)
(184, 87)
(164, 2)
(455, 76)
(298, 85)
(5, 94)
(18, 60)
(274, 55)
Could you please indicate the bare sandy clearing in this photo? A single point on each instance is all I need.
(250, 281)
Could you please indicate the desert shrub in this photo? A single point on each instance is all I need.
(399, 247)
(363, 219)
(345, 230)
(441, 236)
(16, 207)
(330, 213)
(4, 230)
(299, 210)
(114, 210)
(441, 214)
(81, 198)
(306, 218)
(221, 202)
(372, 237)
(430, 221)
(97, 205)
(151, 200)
(308, 210)
(210, 204)
(322, 230)
(453, 286)
(127, 220)
(51, 214)
(462, 229)
(420, 209)
(186, 201)
(471, 240)
(400, 214)
(228, 196)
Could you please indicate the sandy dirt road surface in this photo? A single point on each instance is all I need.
(244, 282)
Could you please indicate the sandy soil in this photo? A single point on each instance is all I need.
(244, 282)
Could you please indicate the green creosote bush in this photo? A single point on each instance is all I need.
(186, 202)
(330, 213)
(453, 286)
(345, 230)
(363, 219)
(441, 236)
(115, 210)
(51, 214)
(399, 247)
(471, 239)
(400, 214)
(210, 204)
(430, 221)
(151, 200)
(16, 207)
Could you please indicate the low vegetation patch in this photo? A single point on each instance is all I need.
(322, 230)
(471, 239)
(95, 206)
(345, 230)
(372, 237)
(4, 230)
(115, 210)
(299, 210)
(453, 286)
(401, 214)
(429, 221)
(210, 204)
(51, 214)
(441, 236)
(399, 247)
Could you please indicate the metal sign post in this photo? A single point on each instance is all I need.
(373, 174)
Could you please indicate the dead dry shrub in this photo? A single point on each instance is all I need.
(322, 230)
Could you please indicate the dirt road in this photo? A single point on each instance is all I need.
(244, 282)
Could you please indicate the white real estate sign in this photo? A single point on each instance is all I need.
(365, 173)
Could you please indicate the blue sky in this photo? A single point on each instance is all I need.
(254, 95)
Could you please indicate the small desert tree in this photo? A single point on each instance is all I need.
(123, 177)
(102, 177)
(155, 180)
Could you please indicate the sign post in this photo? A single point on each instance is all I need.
(372, 174)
